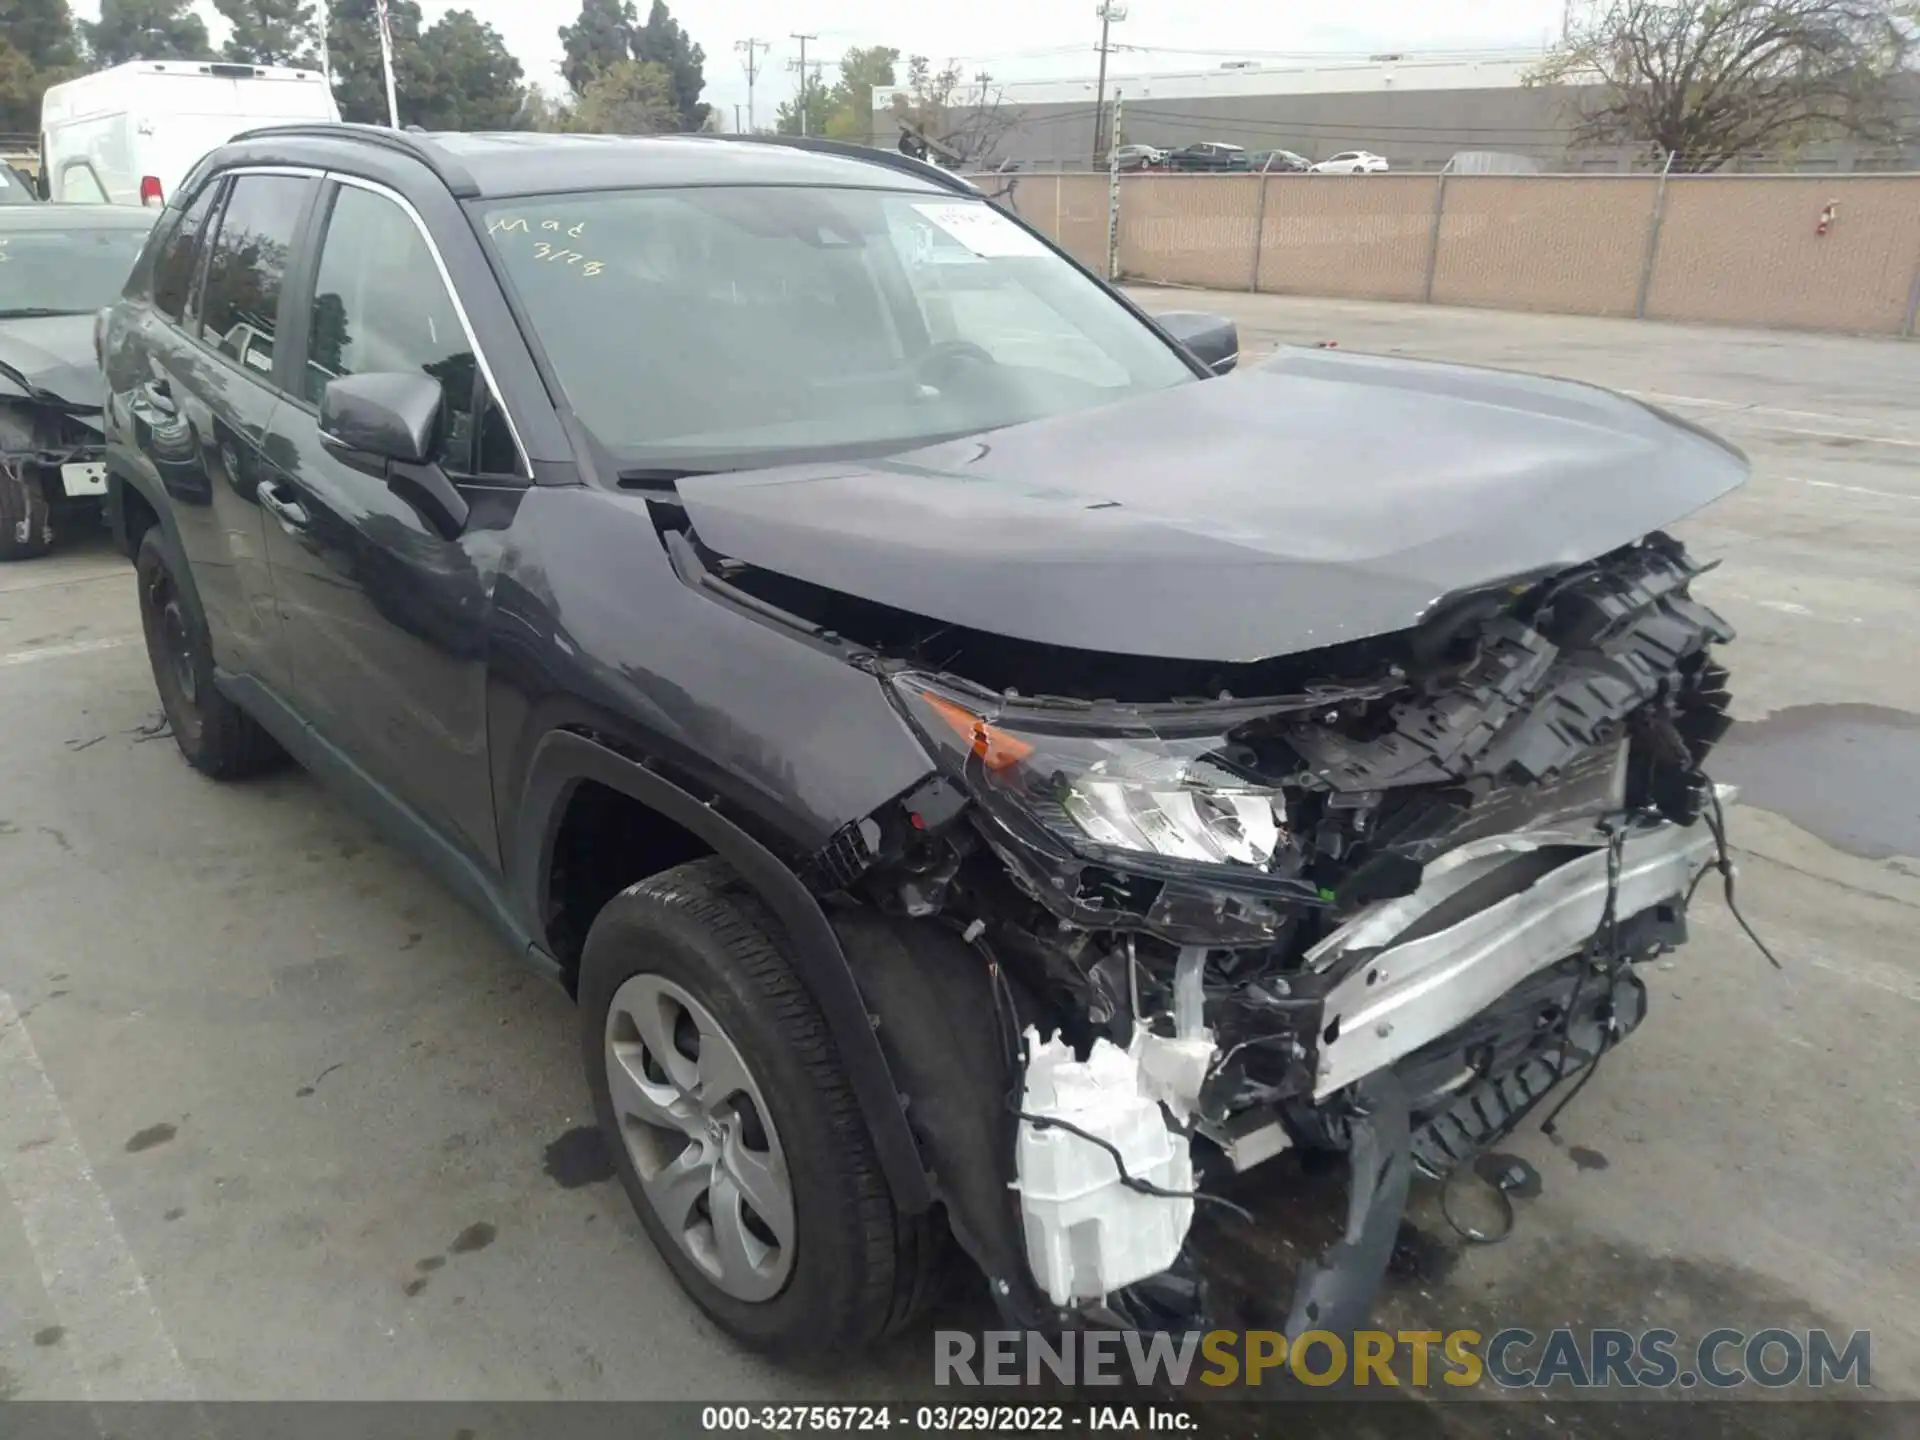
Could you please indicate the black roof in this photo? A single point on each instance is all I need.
(514, 163)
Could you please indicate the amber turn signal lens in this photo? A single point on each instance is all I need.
(996, 748)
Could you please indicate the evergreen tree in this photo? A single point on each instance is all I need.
(602, 35)
(661, 41)
(271, 32)
(146, 30)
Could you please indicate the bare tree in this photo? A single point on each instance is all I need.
(1708, 80)
(961, 125)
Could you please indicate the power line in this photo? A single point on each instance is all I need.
(750, 50)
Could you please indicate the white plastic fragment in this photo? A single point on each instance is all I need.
(1087, 1233)
(1172, 1071)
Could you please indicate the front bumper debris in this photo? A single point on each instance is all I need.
(1336, 1293)
(1400, 997)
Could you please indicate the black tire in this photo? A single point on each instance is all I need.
(218, 738)
(861, 1269)
(26, 528)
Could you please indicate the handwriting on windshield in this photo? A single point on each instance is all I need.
(548, 250)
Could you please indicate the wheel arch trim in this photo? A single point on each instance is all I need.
(563, 759)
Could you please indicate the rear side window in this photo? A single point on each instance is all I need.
(173, 266)
(240, 310)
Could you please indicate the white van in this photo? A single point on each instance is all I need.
(128, 135)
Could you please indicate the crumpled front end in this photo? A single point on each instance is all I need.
(1383, 913)
(1155, 922)
(53, 447)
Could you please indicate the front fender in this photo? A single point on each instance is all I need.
(562, 760)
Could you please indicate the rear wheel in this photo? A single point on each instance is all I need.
(217, 737)
(732, 1124)
(26, 525)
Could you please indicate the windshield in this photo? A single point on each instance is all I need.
(72, 268)
(734, 325)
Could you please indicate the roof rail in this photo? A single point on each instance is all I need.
(415, 143)
(873, 155)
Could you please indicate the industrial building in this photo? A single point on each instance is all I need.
(1417, 109)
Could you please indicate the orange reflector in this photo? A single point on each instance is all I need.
(996, 748)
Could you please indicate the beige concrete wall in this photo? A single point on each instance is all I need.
(1728, 249)
(1745, 251)
(1568, 243)
(1361, 236)
(1189, 229)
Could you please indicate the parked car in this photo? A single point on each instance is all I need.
(744, 570)
(1491, 162)
(58, 266)
(126, 135)
(1207, 155)
(1278, 162)
(1139, 157)
(1352, 162)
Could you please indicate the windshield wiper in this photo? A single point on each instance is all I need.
(36, 312)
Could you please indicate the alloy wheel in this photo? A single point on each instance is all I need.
(175, 638)
(697, 1128)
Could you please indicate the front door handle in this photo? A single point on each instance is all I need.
(291, 514)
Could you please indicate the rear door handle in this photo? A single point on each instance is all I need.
(289, 512)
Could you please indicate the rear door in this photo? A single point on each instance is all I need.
(200, 398)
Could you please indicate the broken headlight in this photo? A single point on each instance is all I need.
(1107, 783)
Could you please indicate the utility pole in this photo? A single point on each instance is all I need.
(386, 62)
(1113, 196)
(802, 68)
(736, 118)
(1111, 12)
(750, 50)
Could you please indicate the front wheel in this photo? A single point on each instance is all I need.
(732, 1124)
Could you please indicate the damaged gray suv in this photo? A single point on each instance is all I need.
(989, 770)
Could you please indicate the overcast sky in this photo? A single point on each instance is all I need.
(1024, 39)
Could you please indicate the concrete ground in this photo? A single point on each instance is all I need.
(279, 1119)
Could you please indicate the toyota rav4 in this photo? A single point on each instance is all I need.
(989, 768)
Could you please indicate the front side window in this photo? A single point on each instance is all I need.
(730, 326)
(379, 305)
(71, 266)
(240, 310)
(173, 266)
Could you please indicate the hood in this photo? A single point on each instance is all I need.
(1319, 498)
(55, 353)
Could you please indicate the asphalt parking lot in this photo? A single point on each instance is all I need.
(278, 1119)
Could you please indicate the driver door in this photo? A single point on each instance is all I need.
(384, 616)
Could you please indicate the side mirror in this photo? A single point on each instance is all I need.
(1212, 339)
(382, 416)
(386, 424)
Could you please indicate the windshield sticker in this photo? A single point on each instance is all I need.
(983, 230)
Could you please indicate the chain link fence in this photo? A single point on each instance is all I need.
(1818, 252)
